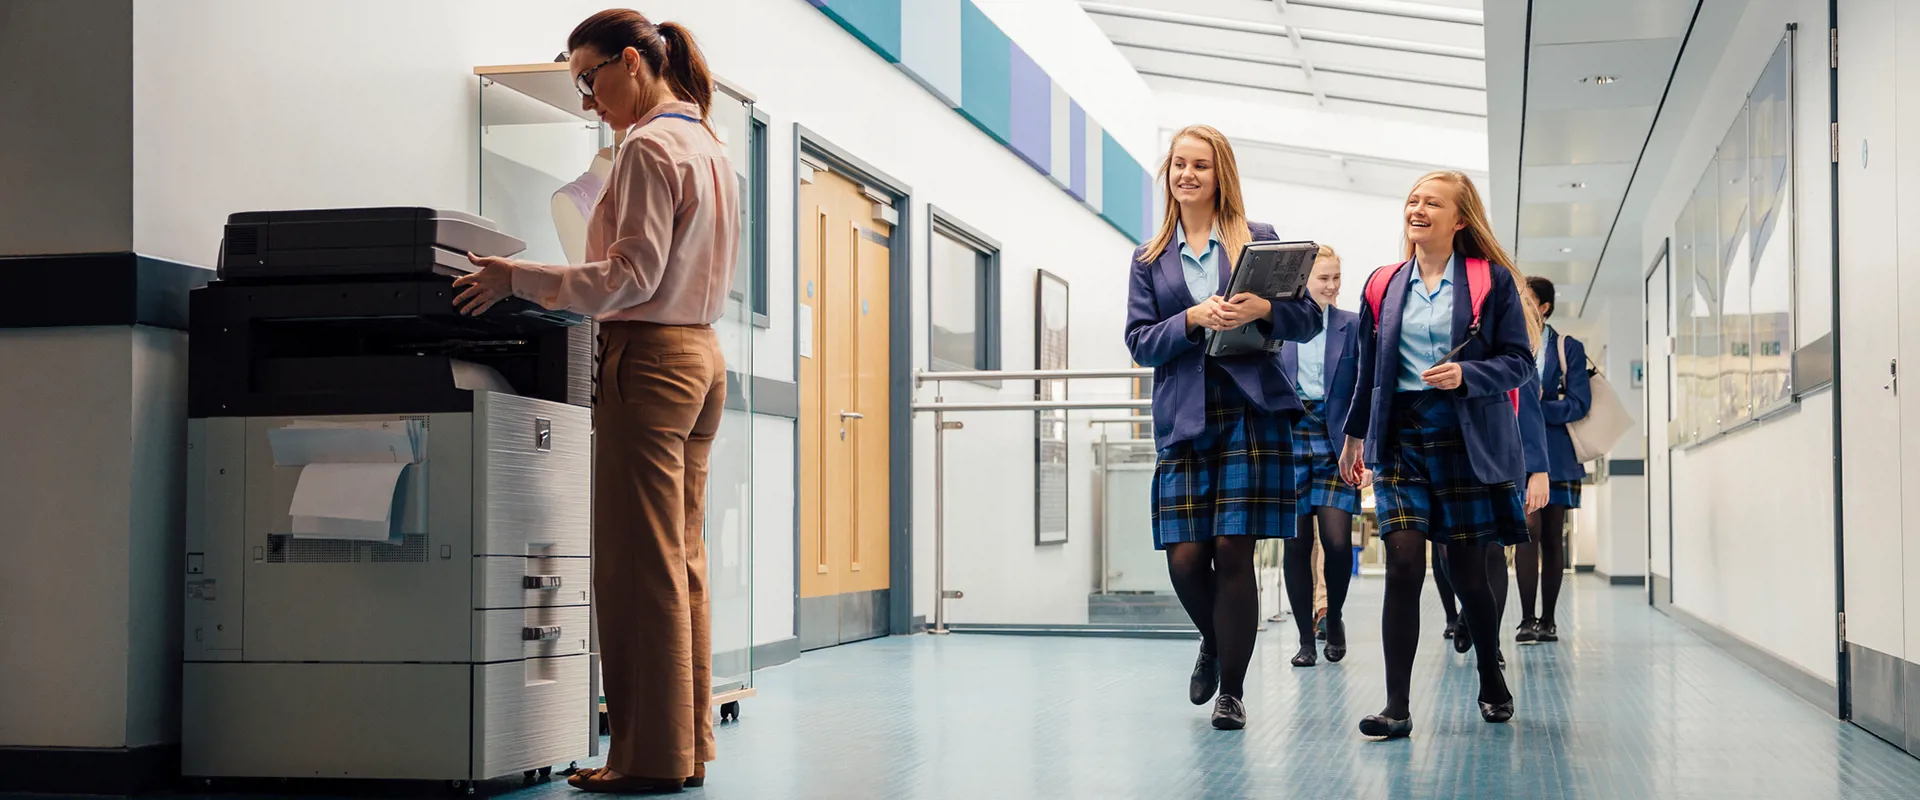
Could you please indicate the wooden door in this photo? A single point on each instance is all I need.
(844, 444)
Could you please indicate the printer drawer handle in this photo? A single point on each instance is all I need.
(541, 582)
(545, 633)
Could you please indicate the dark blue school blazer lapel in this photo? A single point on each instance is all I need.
(1386, 361)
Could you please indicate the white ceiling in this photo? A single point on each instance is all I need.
(1395, 62)
(1580, 140)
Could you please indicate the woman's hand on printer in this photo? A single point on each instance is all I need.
(480, 289)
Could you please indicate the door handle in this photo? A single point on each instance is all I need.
(1893, 380)
(847, 415)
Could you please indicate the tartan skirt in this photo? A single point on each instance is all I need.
(1425, 480)
(1563, 493)
(1235, 480)
(1316, 464)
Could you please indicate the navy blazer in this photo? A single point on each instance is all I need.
(1342, 362)
(1157, 337)
(1495, 362)
(1533, 430)
(1560, 408)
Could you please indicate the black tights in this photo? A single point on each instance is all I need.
(1336, 542)
(1496, 582)
(1215, 582)
(1400, 615)
(1544, 557)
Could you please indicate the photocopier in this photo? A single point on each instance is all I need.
(388, 565)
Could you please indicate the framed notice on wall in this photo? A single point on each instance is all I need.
(1050, 427)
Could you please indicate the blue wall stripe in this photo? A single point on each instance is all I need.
(959, 55)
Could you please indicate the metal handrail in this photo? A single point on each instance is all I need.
(920, 378)
(940, 408)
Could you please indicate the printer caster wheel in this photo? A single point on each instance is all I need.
(460, 788)
(546, 772)
(730, 711)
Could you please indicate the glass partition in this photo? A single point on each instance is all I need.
(729, 528)
(1735, 274)
(542, 169)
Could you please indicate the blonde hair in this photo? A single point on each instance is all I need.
(1229, 210)
(1476, 240)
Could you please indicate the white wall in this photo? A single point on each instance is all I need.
(1365, 229)
(334, 109)
(1753, 511)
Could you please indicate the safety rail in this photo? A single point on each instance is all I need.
(940, 408)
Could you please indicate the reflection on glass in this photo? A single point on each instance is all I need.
(953, 291)
(1771, 167)
(729, 511)
(1684, 296)
(1706, 306)
(528, 151)
(1050, 456)
(1736, 276)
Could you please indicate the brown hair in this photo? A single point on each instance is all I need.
(667, 48)
(1476, 241)
(1229, 210)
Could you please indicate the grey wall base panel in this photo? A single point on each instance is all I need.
(1134, 609)
(773, 654)
(117, 771)
(1582, 568)
(1662, 591)
(1137, 631)
(1622, 580)
(1823, 694)
(1886, 696)
(919, 624)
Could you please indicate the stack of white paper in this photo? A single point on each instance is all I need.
(348, 474)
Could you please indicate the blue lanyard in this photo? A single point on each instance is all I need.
(677, 116)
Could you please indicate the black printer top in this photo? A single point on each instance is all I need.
(357, 243)
(378, 214)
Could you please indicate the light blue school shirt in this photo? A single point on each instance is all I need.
(1426, 327)
(1202, 270)
(1313, 361)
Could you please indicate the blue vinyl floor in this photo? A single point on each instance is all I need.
(1628, 705)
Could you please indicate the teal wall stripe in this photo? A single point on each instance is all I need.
(953, 50)
(986, 74)
(875, 22)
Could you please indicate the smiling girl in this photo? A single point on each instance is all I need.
(1432, 418)
(1225, 477)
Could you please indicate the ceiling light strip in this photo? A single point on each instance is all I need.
(1304, 93)
(1294, 63)
(1387, 8)
(1271, 29)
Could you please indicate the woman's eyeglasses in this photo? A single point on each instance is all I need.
(584, 81)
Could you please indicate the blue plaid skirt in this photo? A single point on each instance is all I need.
(1425, 480)
(1316, 464)
(1235, 480)
(1563, 493)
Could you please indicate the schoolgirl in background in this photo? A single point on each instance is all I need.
(1439, 354)
(1322, 370)
(1224, 479)
(1566, 396)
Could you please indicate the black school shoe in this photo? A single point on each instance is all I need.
(1205, 680)
(1229, 714)
(1548, 632)
(1380, 727)
(1529, 631)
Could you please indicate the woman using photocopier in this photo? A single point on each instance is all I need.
(662, 237)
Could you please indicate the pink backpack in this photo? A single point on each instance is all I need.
(1479, 283)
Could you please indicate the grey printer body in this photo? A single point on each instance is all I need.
(456, 650)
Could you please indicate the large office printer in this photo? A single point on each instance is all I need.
(388, 564)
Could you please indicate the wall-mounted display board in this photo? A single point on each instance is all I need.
(1734, 269)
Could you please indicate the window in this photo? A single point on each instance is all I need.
(963, 298)
(755, 229)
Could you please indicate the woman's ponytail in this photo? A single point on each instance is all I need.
(686, 68)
